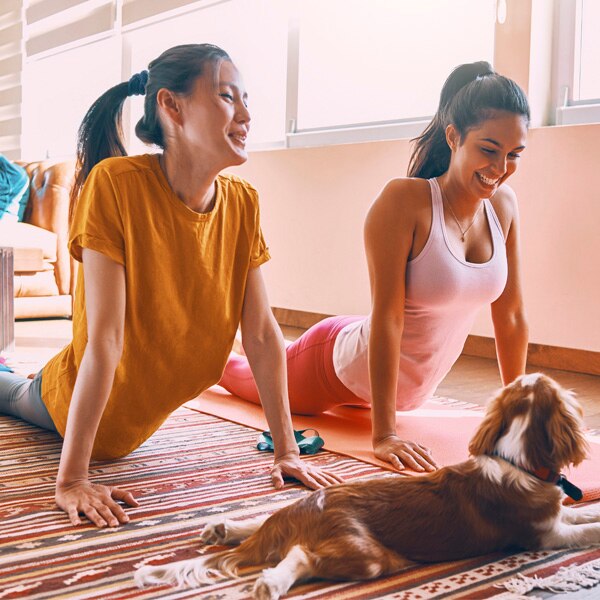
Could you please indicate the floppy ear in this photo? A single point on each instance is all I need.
(492, 428)
(556, 438)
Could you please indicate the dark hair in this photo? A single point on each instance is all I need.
(100, 134)
(469, 96)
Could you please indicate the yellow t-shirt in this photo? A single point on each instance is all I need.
(185, 280)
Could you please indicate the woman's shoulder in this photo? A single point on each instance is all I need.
(504, 202)
(237, 186)
(402, 204)
(119, 165)
(504, 197)
(236, 182)
(404, 195)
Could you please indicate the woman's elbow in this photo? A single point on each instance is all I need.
(390, 322)
(106, 347)
(512, 322)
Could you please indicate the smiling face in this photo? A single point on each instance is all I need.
(488, 154)
(214, 119)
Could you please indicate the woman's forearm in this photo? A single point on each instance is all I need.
(512, 338)
(90, 395)
(266, 356)
(384, 358)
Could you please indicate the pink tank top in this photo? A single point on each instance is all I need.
(443, 295)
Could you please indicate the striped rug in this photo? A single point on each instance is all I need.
(194, 467)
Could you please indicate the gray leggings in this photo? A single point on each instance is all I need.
(22, 398)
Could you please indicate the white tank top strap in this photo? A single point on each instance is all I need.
(493, 219)
(437, 205)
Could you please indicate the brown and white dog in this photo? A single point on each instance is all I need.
(508, 494)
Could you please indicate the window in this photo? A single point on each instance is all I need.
(59, 89)
(254, 34)
(587, 82)
(576, 58)
(316, 71)
(358, 61)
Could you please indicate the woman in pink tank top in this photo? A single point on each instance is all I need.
(440, 244)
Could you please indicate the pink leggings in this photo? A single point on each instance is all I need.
(313, 385)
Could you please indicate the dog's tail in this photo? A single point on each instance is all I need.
(266, 546)
(208, 569)
(186, 573)
(262, 547)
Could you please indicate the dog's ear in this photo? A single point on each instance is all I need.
(555, 438)
(492, 428)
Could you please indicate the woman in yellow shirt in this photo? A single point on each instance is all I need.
(171, 254)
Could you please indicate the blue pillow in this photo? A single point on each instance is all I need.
(14, 190)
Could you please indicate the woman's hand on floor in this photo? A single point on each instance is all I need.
(97, 502)
(291, 465)
(404, 455)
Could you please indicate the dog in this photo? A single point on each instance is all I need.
(508, 495)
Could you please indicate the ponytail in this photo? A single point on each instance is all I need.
(469, 96)
(100, 135)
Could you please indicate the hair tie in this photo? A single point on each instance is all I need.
(137, 84)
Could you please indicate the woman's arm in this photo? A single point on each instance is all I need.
(508, 312)
(265, 350)
(389, 229)
(105, 309)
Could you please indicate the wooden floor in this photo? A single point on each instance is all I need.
(471, 379)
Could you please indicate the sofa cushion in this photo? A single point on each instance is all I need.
(24, 235)
(42, 283)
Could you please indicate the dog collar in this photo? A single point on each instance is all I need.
(560, 480)
(550, 476)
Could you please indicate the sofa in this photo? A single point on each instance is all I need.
(44, 285)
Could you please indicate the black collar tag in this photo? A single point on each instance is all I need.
(569, 489)
(551, 477)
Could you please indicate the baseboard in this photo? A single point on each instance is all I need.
(297, 318)
(539, 355)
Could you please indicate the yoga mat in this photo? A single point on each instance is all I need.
(443, 425)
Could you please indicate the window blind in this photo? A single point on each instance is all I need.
(11, 75)
(136, 10)
(55, 23)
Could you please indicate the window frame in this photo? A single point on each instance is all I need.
(565, 59)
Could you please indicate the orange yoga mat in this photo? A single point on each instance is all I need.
(443, 425)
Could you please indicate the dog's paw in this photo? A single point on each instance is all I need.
(215, 532)
(268, 586)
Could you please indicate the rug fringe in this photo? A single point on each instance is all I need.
(566, 579)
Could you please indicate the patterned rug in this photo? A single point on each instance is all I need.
(194, 467)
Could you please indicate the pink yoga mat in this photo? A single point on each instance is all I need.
(443, 425)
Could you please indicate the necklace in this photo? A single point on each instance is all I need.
(463, 232)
